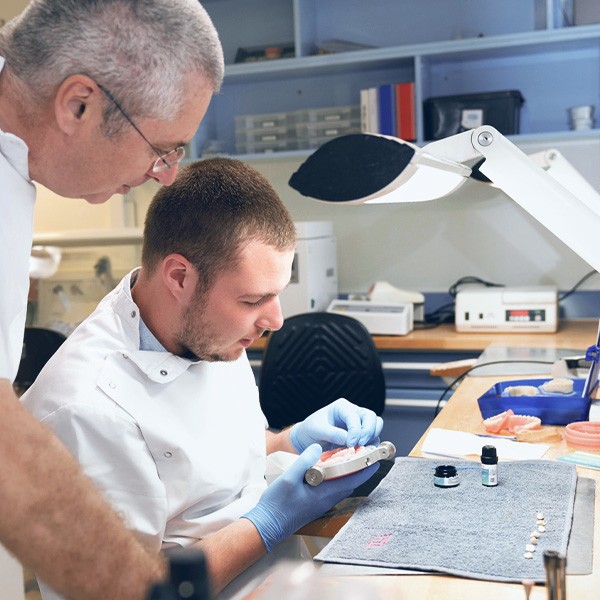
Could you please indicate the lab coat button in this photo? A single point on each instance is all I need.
(112, 385)
(164, 373)
(168, 454)
(133, 314)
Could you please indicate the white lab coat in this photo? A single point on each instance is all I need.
(17, 200)
(178, 447)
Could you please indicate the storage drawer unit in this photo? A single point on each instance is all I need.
(329, 115)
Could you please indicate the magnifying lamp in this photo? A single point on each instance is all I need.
(370, 168)
(43, 261)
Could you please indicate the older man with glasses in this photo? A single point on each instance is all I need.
(165, 160)
(60, 126)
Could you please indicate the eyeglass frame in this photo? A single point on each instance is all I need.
(161, 163)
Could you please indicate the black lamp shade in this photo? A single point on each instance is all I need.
(351, 167)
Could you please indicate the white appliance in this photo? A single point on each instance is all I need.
(378, 318)
(314, 282)
(506, 309)
(385, 293)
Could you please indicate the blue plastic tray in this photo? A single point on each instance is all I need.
(552, 409)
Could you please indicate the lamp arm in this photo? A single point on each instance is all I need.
(367, 168)
(457, 148)
(568, 217)
(556, 165)
(460, 148)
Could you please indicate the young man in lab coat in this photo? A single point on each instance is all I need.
(154, 394)
(96, 97)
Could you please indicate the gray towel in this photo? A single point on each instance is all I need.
(469, 530)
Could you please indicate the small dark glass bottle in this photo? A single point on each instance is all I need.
(489, 466)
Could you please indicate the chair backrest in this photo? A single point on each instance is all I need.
(314, 359)
(38, 347)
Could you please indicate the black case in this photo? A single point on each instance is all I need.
(444, 114)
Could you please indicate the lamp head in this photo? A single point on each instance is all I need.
(369, 168)
(351, 167)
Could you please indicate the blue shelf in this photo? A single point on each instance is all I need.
(517, 44)
(549, 137)
(522, 47)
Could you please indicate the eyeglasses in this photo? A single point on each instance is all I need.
(164, 161)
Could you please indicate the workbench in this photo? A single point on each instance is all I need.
(462, 413)
(570, 334)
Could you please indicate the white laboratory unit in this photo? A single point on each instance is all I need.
(505, 309)
(314, 282)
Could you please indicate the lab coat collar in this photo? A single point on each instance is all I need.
(160, 367)
(14, 149)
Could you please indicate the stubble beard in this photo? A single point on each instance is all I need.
(198, 340)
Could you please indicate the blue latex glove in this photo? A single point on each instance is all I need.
(341, 423)
(289, 503)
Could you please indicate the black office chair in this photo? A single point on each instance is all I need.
(314, 359)
(38, 347)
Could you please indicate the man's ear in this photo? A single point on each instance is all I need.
(179, 277)
(78, 100)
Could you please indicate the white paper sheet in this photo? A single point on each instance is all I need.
(445, 442)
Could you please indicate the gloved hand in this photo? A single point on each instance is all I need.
(341, 423)
(289, 503)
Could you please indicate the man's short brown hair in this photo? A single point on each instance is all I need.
(212, 211)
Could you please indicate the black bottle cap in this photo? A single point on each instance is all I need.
(489, 455)
(445, 476)
(445, 471)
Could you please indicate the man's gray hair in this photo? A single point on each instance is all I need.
(140, 50)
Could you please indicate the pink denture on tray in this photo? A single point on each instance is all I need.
(583, 434)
